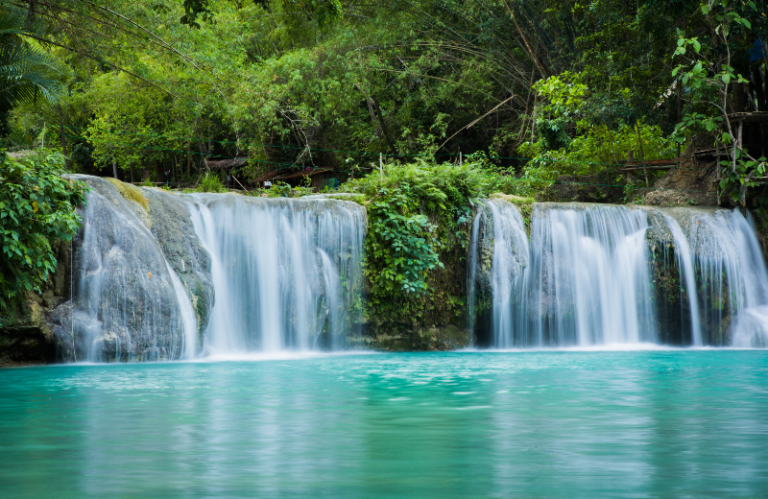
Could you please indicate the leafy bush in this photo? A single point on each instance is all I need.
(210, 182)
(279, 190)
(37, 207)
(401, 242)
(418, 223)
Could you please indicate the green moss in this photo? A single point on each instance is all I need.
(524, 206)
(130, 192)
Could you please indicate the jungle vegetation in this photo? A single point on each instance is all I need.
(545, 87)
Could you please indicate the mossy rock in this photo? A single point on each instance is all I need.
(130, 192)
(524, 206)
(510, 198)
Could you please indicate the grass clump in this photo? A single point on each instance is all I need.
(210, 182)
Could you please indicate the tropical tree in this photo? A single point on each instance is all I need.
(27, 71)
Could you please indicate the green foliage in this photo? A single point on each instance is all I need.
(37, 207)
(279, 190)
(328, 83)
(707, 72)
(194, 9)
(210, 182)
(596, 148)
(401, 243)
(418, 218)
(26, 70)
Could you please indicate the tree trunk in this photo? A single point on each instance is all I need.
(757, 87)
(31, 14)
(371, 112)
(63, 138)
(384, 127)
(114, 167)
(375, 111)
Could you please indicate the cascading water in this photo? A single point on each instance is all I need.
(584, 279)
(511, 258)
(472, 275)
(286, 272)
(731, 276)
(589, 276)
(128, 302)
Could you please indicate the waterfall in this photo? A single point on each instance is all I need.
(286, 272)
(685, 264)
(589, 276)
(128, 302)
(510, 257)
(472, 276)
(731, 276)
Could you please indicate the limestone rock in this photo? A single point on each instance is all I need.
(173, 228)
(125, 305)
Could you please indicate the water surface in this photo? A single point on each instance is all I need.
(669, 423)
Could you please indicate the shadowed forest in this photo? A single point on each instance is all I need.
(150, 90)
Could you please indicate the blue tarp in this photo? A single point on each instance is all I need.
(756, 51)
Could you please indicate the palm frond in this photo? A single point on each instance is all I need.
(26, 70)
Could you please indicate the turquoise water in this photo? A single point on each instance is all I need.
(491, 424)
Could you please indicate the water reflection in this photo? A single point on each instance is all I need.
(534, 424)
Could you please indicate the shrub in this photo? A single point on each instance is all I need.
(210, 182)
(419, 217)
(37, 207)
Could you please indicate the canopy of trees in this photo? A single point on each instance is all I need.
(534, 88)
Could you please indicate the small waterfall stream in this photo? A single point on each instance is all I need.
(588, 276)
(286, 272)
(731, 277)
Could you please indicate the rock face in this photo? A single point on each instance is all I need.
(25, 335)
(173, 228)
(128, 303)
(693, 184)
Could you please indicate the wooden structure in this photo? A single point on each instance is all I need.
(657, 164)
(320, 177)
(225, 164)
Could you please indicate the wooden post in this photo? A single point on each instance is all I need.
(461, 159)
(741, 146)
(114, 167)
(381, 165)
(642, 154)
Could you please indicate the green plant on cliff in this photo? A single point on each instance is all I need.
(419, 217)
(37, 207)
(401, 243)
